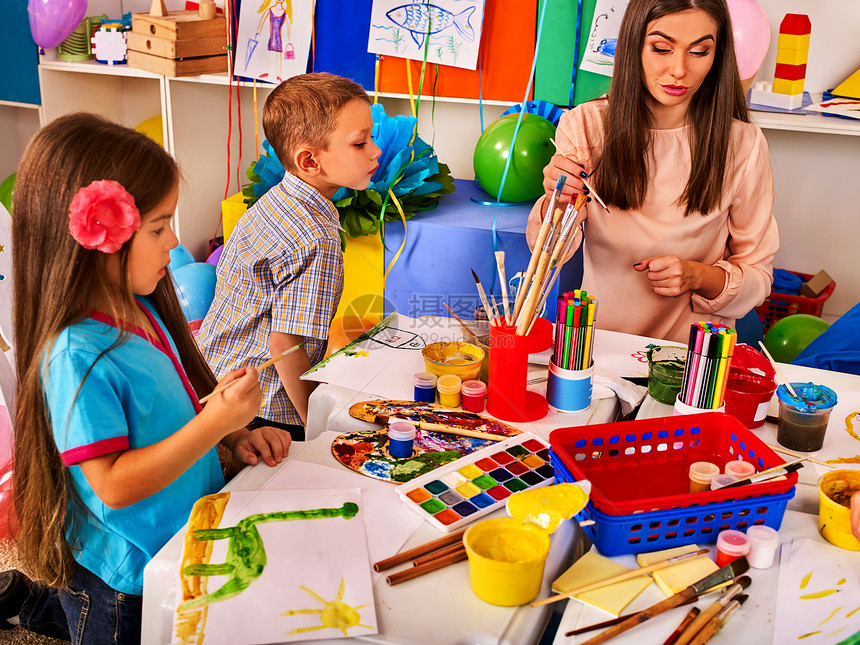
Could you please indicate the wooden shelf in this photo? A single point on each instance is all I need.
(806, 123)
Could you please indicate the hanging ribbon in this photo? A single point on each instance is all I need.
(575, 54)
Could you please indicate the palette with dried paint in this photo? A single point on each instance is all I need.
(459, 492)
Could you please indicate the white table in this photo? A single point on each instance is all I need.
(435, 608)
(753, 623)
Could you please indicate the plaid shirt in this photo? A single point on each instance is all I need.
(281, 271)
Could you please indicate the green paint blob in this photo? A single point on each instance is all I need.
(433, 506)
(515, 485)
(484, 482)
(436, 487)
(517, 451)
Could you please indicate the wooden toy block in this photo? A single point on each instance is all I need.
(782, 86)
(179, 43)
(790, 72)
(761, 94)
(813, 287)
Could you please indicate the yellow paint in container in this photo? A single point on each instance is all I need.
(507, 555)
(455, 357)
(834, 519)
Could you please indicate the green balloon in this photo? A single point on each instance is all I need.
(6, 191)
(790, 335)
(532, 152)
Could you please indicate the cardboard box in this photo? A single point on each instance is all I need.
(180, 43)
(815, 285)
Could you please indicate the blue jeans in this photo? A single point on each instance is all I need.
(88, 612)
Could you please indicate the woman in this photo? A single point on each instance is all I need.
(689, 234)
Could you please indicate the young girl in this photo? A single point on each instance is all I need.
(690, 233)
(112, 448)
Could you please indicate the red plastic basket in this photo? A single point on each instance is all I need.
(779, 305)
(642, 466)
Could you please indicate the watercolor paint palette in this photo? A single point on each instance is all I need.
(464, 490)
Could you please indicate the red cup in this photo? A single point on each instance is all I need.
(748, 397)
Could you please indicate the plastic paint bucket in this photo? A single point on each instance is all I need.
(424, 387)
(834, 519)
(731, 545)
(748, 397)
(473, 393)
(666, 372)
(506, 560)
(723, 479)
(448, 386)
(701, 474)
(803, 423)
(454, 357)
(401, 435)
(764, 542)
(739, 469)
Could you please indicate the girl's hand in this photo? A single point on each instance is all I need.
(671, 276)
(236, 406)
(270, 444)
(573, 186)
(855, 514)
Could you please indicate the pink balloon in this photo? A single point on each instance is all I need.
(52, 21)
(751, 30)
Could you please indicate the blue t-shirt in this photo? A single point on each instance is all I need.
(135, 395)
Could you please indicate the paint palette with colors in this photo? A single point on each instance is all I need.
(464, 490)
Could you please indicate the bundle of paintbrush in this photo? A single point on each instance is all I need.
(709, 357)
(554, 241)
(573, 344)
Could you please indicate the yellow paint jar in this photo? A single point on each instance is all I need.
(834, 519)
(454, 357)
(506, 560)
(448, 386)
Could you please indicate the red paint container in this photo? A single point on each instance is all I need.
(473, 393)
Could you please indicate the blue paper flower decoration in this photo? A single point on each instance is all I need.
(411, 171)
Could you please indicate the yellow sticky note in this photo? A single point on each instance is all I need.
(679, 576)
(593, 567)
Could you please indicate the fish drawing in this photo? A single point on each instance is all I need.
(422, 20)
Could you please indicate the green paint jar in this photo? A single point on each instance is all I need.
(666, 372)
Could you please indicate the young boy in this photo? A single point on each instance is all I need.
(280, 276)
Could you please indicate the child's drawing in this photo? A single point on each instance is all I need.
(448, 31)
(260, 560)
(599, 56)
(273, 39)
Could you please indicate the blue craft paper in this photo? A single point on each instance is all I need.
(341, 32)
(19, 76)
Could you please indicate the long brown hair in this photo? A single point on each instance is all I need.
(56, 282)
(621, 174)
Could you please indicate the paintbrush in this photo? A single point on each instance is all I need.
(587, 185)
(437, 427)
(414, 572)
(689, 618)
(539, 242)
(724, 574)
(718, 621)
(797, 454)
(716, 607)
(484, 300)
(770, 473)
(259, 368)
(422, 549)
(465, 327)
(633, 573)
(503, 280)
(619, 619)
(784, 380)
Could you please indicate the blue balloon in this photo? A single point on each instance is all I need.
(195, 288)
(179, 257)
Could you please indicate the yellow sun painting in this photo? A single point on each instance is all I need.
(333, 615)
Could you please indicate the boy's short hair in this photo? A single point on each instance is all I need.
(303, 110)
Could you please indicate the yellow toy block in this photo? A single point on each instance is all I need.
(850, 87)
(791, 56)
(793, 41)
(781, 86)
(232, 209)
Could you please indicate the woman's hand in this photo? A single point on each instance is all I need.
(237, 405)
(573, 186)
(270, 444)
(855, 514)
(671, 276)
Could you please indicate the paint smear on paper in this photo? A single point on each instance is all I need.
(832, 614)
(805, 580)
(819, 594)
(334, 615)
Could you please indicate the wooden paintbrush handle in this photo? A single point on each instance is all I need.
(414, 572)
(699, 623)
(419, 550)
(642, 616)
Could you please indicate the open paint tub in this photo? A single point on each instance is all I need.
(453, 357)
(834, 515)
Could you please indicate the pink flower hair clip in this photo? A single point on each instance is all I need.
(103, 216)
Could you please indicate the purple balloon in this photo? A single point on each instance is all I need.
(216, 255)
(52, 21)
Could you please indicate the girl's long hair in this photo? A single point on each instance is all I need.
(56, 282)
(621, 174)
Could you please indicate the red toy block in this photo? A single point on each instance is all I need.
(790, 72)
(795, 23)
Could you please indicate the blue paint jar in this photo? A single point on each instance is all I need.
(425, 387)
(401, 435)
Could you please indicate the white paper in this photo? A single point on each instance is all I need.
(312, 569)
(273, 39)
(400, 28)
(840, 107)
(599, 55)
(389, 522)
(819, 593)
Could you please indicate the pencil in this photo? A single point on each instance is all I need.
(260, 367)
(414, 572)
(421, 549)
